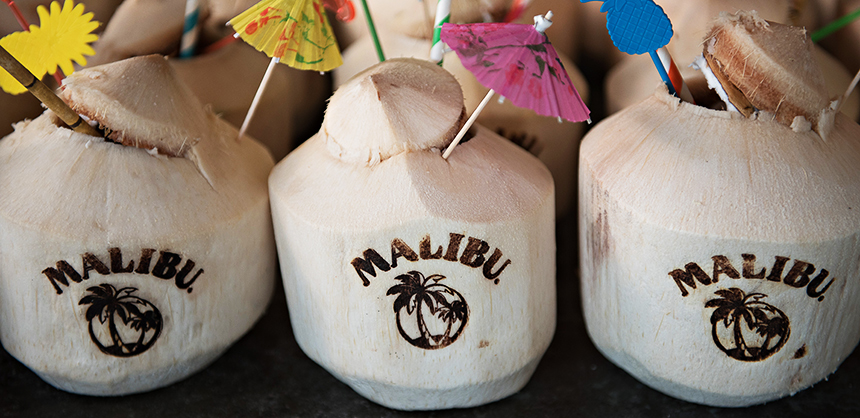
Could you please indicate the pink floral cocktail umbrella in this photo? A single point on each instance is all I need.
(518, 62)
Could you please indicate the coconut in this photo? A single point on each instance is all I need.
(718, 251)
(556, 144)
(128, 266)
(369, 217)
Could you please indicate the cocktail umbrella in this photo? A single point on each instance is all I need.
(295, 32)
(519, 62)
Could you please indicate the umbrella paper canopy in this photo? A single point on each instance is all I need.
(295, 31)
(518, 62)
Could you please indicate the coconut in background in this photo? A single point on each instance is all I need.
(719, 248)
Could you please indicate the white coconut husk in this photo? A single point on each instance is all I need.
(556, 144)
(330, 210)
(683, 208)
(74, 198)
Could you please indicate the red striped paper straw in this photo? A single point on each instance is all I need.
(675, 76)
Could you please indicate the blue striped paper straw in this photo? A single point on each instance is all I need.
(190, 29)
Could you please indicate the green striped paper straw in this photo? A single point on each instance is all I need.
(372, 28)
(190, 29)
(443, 15)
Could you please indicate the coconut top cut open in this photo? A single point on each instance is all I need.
(387, 110)
(178, 170)
(766, 66)
(141, 103)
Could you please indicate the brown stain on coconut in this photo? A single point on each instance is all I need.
(800, 352)
(483, 344)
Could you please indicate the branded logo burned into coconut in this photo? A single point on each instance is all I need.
(744, 327)
(438, 312)
(120, 323)
(120, 320)
(429, 313)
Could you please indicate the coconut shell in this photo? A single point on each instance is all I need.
(446, 218)
(684, 209)
(769, 65)
(123, 97)
(186, 241)
(554, 143)
(634, 80)
(390, 112)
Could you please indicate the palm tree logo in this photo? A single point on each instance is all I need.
(440, 312)
(746, 328)
(120, 323)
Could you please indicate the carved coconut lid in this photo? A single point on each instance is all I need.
(766, 66)
(140, 102)
(396, 106)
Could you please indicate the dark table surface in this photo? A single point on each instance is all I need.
(265, 374)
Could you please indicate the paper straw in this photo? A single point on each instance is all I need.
(190, 29)
(443, 15)
(662, 71)
(835, 25)
(45, 94)
(372, 28)
(675, 76)
(18, 15)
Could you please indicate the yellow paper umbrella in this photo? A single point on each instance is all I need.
(294, 31)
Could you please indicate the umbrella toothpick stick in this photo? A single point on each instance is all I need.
(258, 95)
(468, 124)
(848, 92)
(45, 95)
